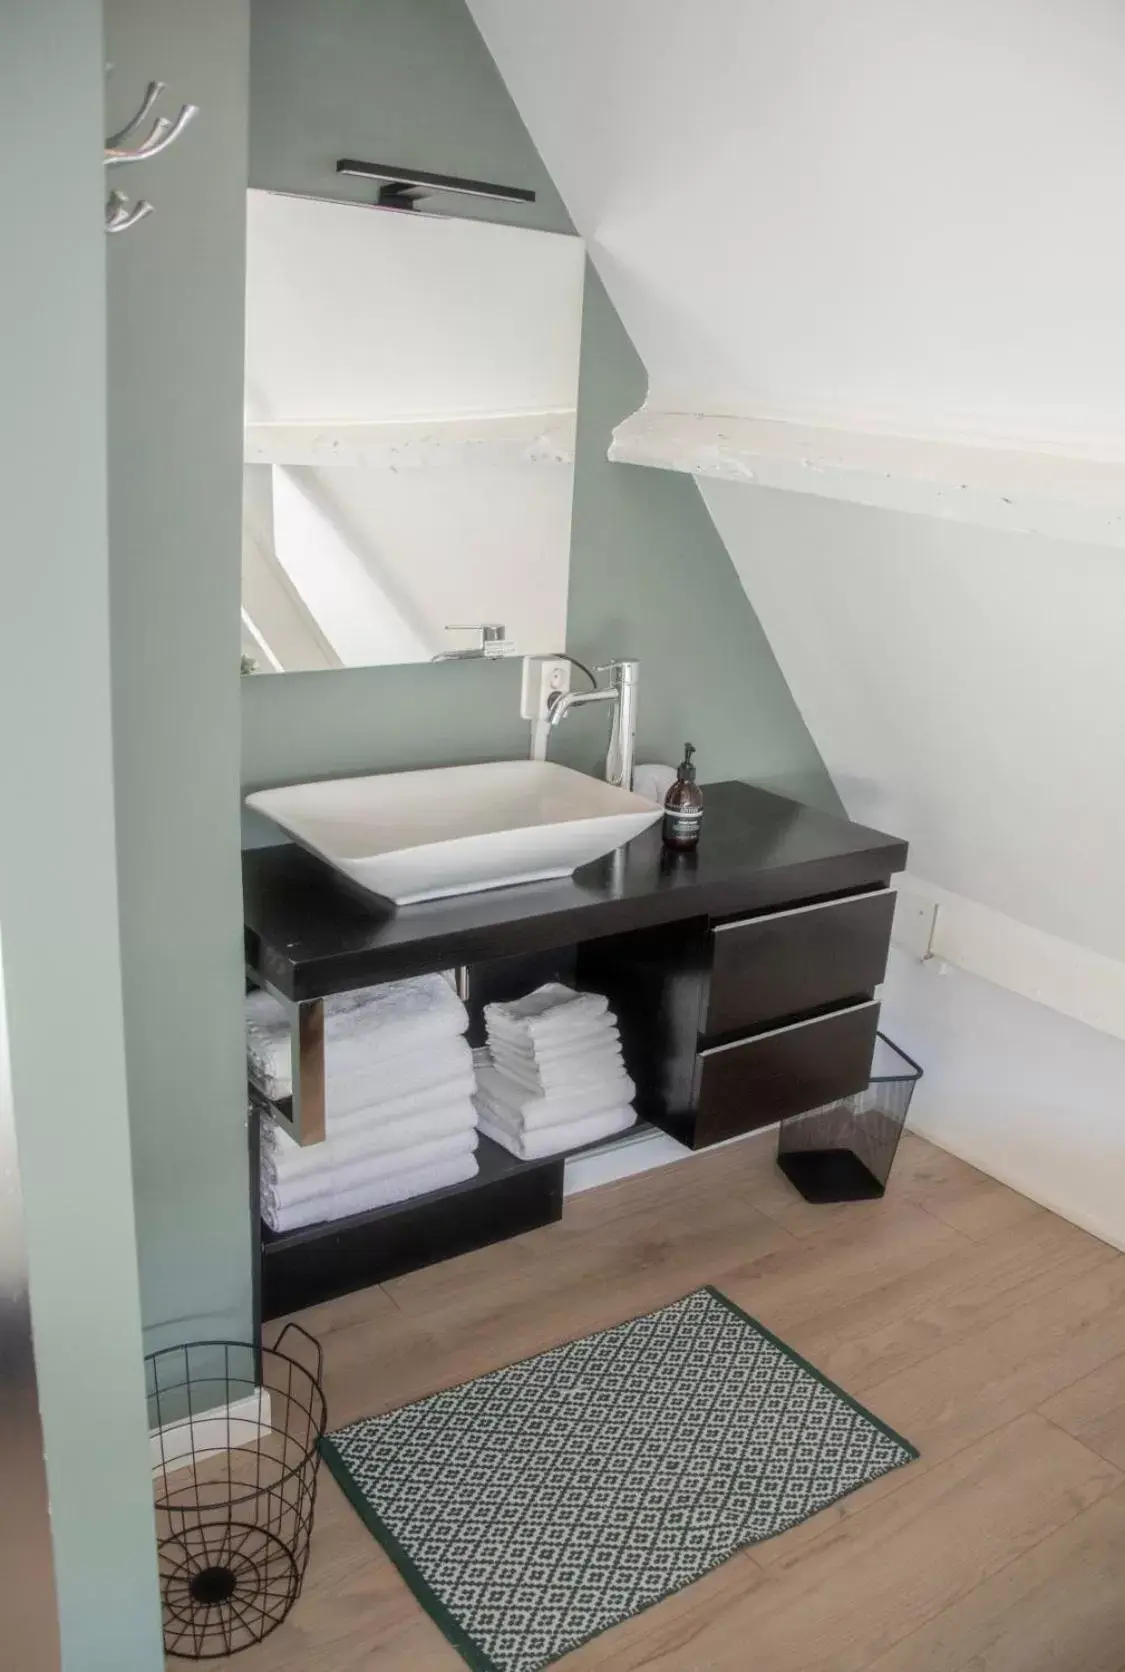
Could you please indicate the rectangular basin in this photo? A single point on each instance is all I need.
(411, 836)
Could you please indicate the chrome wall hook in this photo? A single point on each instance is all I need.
(119, 215)
(164, 132)
(152, 93)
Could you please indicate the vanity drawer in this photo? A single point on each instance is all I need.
(784, 1072)
(764, 969)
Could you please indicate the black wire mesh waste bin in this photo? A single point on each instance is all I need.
(238, 1431)
(843, 1152)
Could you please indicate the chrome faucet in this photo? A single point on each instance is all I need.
(622, 692)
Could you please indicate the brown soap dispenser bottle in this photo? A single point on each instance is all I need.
(683, 806)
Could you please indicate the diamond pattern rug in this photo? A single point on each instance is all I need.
(534, 1507)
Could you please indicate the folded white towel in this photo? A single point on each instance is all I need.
(550, 1140)
(576, 1039)
(602, 1037)
(416, 1104)
(400, 1187)
(348, 1172)
(508, 1100)
(284, 1160)
(591, 1068)
(361, 1029)
(347, 1088)
(550, 1014)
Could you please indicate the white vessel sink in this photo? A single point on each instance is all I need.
(413, 836)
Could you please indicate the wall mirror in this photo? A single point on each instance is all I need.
(411, 385)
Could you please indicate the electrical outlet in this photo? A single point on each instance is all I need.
(542, 675)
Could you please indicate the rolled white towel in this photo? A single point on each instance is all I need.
(399, 1187)
(508, 1100)
(347, 1088)
(363, 1029)
(590, 1068)
(283, 1159)
(551, 1014)
(345, 1173)
(551, 1140)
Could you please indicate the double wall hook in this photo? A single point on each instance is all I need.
(119, 215)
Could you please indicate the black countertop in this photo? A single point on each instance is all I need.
(310, 932)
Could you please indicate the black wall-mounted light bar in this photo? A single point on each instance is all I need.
(403, 187)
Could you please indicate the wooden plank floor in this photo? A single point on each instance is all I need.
(988, 1331)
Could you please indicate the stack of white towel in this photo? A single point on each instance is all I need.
(399, 1114)
(553, 1077)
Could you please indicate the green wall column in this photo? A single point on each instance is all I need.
(175, 449)
(58, 893)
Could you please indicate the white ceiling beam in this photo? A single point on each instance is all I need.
(1058, 495)
(489, 439)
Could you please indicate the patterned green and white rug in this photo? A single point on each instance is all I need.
(533, 1508)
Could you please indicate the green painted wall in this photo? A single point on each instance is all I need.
(58, 894)
(175, 411)
(412, 79)
(411, 82)
(650, 578)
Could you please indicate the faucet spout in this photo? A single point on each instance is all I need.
(561, 703)
(622, 693)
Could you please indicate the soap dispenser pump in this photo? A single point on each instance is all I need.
(683, 806)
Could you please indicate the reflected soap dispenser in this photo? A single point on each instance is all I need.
(683, 806)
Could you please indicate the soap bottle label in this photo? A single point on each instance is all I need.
(682, 824)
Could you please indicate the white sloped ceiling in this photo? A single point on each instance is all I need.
(831, 212)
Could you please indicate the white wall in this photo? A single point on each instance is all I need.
(898, 217)
(966, 688)
(1026, 1094)
(967, 691)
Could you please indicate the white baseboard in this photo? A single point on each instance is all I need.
(933, 924)
(241, 1423)
(1093, 1223)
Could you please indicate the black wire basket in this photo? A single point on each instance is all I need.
(844, 1151)
(238, 1429)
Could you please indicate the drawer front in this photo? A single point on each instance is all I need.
(769, 968)
(757, 1081)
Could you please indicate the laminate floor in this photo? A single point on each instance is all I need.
(987, 1330)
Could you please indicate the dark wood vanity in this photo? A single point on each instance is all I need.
(743, 975)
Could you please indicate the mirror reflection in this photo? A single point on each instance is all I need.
(411, 384)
